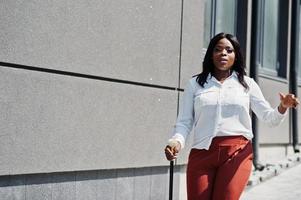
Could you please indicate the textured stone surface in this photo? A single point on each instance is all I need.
(5, 152)
(130, 40)
(147, 183)
(192, 42)
(142, 179)
(125, 184)
(159, 183)
(38, 187)
(5, 189)
(278, 134)
(107, 185)
(64, 186)
(17, 185)
(65, 123)
(299, 113)
(86, 185)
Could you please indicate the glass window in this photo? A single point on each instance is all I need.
(220, 16)
(299, 67)
(299, 56)
(207, 22)
(270, 35)
(225, 16)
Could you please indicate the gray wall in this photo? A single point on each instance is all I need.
(55, 122)
(143, 183)
(279, 134)
(64, 123)
(299, 114)
(131, 39)
(88, 96)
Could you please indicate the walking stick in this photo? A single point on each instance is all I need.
(171, 167)
(171, 143)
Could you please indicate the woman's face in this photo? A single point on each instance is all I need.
(223, 55)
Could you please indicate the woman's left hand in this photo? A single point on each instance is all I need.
(288, 101)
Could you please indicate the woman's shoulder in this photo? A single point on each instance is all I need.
(248, 79)
(191, 83)
(251, 82)
(193, 79)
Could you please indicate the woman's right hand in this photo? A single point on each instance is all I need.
(172, 150)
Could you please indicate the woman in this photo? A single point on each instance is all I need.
(216, 103)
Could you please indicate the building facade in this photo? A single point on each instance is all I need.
(90, 89)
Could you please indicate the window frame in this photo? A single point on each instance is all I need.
(240, 23)
(298, 54)
(282, 41)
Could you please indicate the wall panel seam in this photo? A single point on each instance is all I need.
(87, 76)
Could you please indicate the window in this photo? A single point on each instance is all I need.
(220, 16)
(272, 34)
(229, 16)
(225, 16)
(207, 22)
(299, 59)
(299, 56)
(299, 68)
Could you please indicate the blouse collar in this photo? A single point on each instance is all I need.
(233, 75)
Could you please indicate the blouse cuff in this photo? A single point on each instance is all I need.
(280, 115)
(179, 137)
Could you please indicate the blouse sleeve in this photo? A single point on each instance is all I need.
(262, 108)
(186, 116)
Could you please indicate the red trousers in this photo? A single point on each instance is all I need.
(222, 172)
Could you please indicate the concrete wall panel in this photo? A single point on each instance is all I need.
(193, 25)
(147, 183)
(131, 40)
(64, 123)
(299, 115)
(5, 190)
(86, 185)
(5, 153)
(107, 186)
(278, 134)
(142, 177)
(125, 184)
(159, 183)
(12, 188)
(38, 187)
(64, 186)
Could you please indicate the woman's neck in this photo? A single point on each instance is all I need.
(222, 75)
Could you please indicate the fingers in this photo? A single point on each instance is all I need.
(294, 101)
(170, 153)
(281, 95)
(289, 100)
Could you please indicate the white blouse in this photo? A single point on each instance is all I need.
(221, 110)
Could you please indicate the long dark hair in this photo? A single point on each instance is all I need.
(238, 66)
